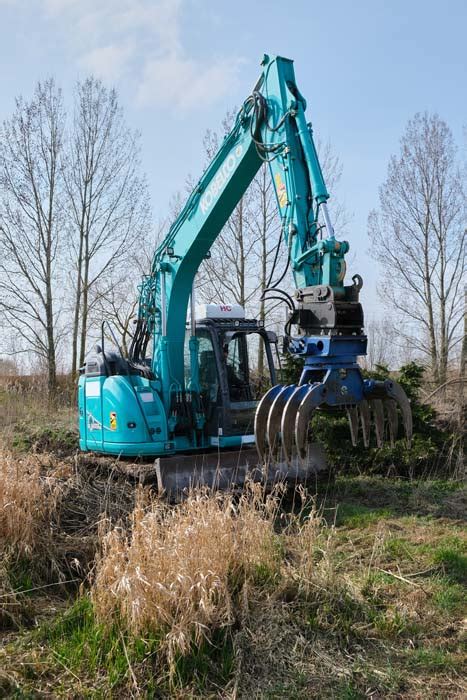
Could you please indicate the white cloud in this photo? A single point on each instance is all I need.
(107, 62)
(186, 83)
(141, 40)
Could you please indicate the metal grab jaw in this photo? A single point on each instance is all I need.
(331, 379)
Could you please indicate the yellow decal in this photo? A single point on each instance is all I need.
(281, 190)
(113, 420)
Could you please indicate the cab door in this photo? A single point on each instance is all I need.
(244, 384)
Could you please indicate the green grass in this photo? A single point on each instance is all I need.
(453, 562)
(58, 439)
(400, 496)
(430, 659)
(212, 662)
(399, 548)
(75, 639)
(449, 597)
(293, 689)
(20, 576)
(347, 690)
(78, 643)
(358, 516)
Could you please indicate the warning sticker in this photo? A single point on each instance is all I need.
(113, 420)
(281, 190)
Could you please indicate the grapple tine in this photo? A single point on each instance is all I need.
(391, 410)
(275, 415)
(288, 420)
(378, 411)
(365, 419)
(396, 392)
(352, 414)
(312, 399)
(261, 419)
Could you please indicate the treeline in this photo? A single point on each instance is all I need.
(76, 233)
(74, 208)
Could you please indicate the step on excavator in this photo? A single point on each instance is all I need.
(186, 396)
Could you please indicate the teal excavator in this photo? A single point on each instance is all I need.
(186, 395)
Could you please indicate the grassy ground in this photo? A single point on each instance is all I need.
(388, 623)
(377, 612)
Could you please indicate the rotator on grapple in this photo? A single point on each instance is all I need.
(172, 394)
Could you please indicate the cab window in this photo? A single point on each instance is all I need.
(208, 377)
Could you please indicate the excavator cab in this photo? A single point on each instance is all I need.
(237, 361)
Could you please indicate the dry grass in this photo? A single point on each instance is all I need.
(244, 597)
(49, 515)
(255, 597)
(24, 505)
(27, 501)
(214, 563)
(182, 571)
(24, 502)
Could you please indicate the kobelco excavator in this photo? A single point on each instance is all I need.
(187, 388)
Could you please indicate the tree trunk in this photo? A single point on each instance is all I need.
(463, 365)
(241, 254)
(84, 303)
(76, 314)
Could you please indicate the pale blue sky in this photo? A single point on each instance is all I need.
(365, 68)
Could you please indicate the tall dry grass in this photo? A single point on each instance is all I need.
(25, 502)
(183, 572)
(24, 508)
(49, 514)
(179, 570)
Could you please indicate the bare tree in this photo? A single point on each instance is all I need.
(266, 224)
(108, 200)
(241, 259)
(382, 348)
(418, 237)
(31, 143)
(463, 362)
(118, 305)
(118, 302)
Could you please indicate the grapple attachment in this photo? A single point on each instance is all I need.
(283, 416)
